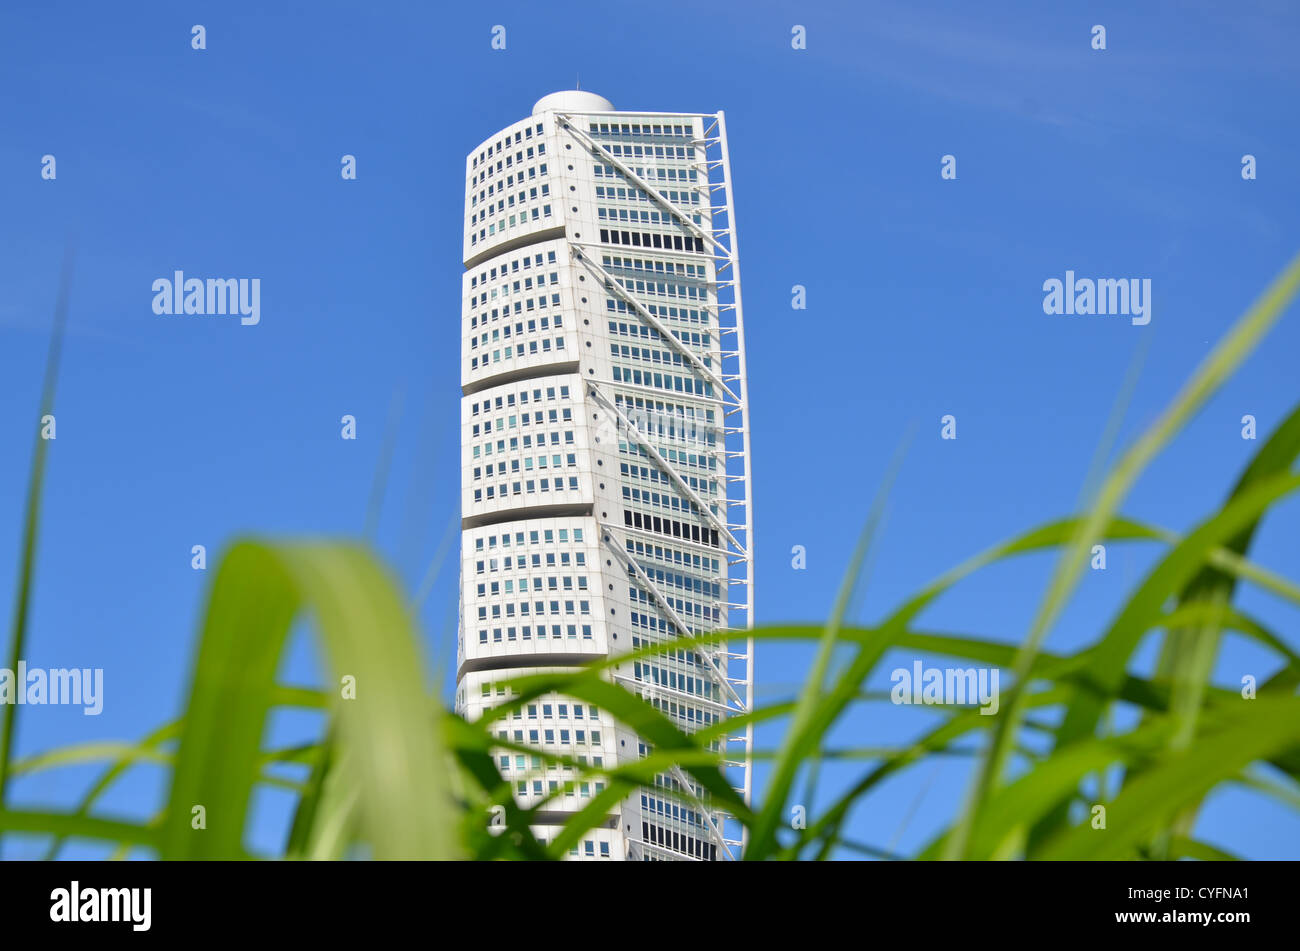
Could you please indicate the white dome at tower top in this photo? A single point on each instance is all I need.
(573, 100)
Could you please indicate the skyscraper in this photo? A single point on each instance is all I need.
(605, 454)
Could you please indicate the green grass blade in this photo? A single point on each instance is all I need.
(1145, 804)
(1109, 659)
(484, 789)
(78, 754)
(1240, 341)
(395, 760)
(31, 519)
(793, 753)
(70, 826)
(1188, 652)
(847, 686)
(155, 739)
(309, 804)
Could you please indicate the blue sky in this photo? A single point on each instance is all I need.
(924, 299)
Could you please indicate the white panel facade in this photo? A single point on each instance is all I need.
(604, 467)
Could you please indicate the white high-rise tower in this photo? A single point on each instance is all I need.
(605, 454)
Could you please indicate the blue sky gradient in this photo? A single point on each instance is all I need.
(924, 299)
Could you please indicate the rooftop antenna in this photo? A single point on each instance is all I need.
(577, 81)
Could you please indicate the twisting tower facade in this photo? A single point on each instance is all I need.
(606, 499)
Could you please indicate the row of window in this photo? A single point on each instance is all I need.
(663, 173)
(548, 711)
(644, 331)
(705, 488)
(661, 433)
(569, 631)
(603, 129)
(698, 686)
(639, 549)
(668, 152)
(502, 690)
(662, 311)
(693, 610)
(553, 583)
(527, 261)
(676, 268)
(677, 458)
(507, 400)
(660, 428)
(502, 205)
(528, 305)
(563, 738)
(518, 350)
(660, 173)
(519, 286)
(525, 487)
(665, 500)
(657, 412)
(542, 462)
(678, 842)
(689, 716)
(520, 562)
(658, 355)
(703, 587)
(502, 423)
(636, 151)
(522, 218)
(668, 526)
(538, 609)
(670, 810)
(664, 289)
(521, 135)
(643, 216)
(676, 653)
(523, 763)
(617, 193)
(501, 445)
(663, 381)
(500, 333)
(535, 537)
(582, 789)
(510, 182)
(513, 441)
(652, 239)
(664, 420)
(668, 782)
(654, 624)
(535, 736)
(532, 173)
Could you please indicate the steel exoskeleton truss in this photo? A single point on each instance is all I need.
(734, 526)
